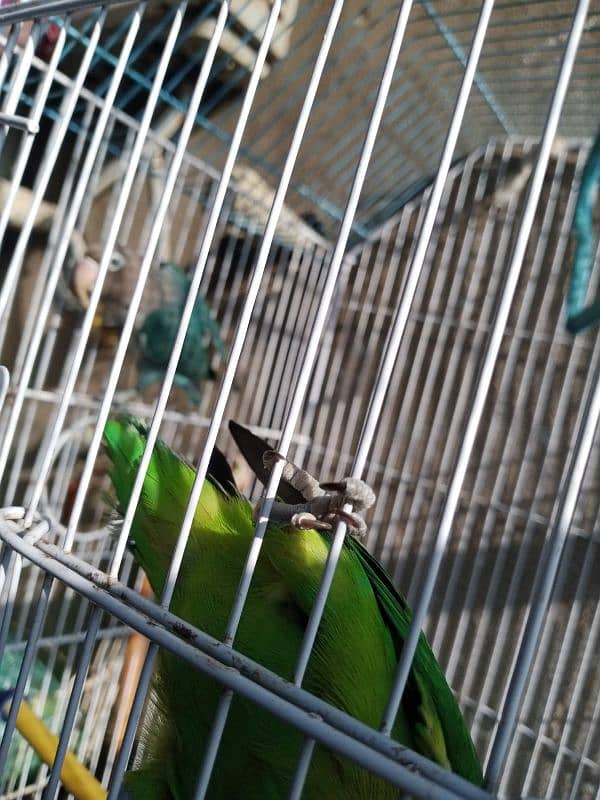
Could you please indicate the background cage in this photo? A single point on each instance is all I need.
(376, 202)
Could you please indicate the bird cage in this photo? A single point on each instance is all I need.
(361, 223)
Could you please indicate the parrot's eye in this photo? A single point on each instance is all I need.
(117, 262)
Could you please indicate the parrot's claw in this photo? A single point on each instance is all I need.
(306, 521)
(270, 457)
(354, 521)
(353, 491)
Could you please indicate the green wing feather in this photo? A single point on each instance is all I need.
(442, 728)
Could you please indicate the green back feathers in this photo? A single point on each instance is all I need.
(165, 494)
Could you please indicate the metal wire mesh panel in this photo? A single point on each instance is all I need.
(523, 443)
(348, 226)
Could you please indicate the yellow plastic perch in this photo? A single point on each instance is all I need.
(74, 776)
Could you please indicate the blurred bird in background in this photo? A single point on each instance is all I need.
(158, 332)
(160, 314)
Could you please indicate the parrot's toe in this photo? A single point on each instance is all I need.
(352, 490)
(354, 521)
(306, 521)
(270, 457)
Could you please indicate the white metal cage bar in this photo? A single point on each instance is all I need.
(491, 354)
(547, 575)
(321, 719)
(464, 282)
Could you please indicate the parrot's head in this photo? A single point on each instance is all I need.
(85, 273)
(111, 309)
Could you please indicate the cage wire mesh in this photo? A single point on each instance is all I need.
(373, 203)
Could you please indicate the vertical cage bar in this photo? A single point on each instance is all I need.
(12, 273)
(304, 378)
(302, 770)
(145, 266)
(26, 664)
(177, 347)
(182, 330)
(116, 218)
(73, 704)
(4, 384)
(544, 580)
(489, 620)
(397, 332)
(560, 677)
(241, 594)
(19, 77)
(135, 713)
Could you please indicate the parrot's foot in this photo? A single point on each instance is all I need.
(300, 479)
(325, 502)
(354, 491)
(305, 521)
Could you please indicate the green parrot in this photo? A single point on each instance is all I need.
(353, 661)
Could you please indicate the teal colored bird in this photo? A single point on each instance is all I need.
(158, 331)
(355, 653)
